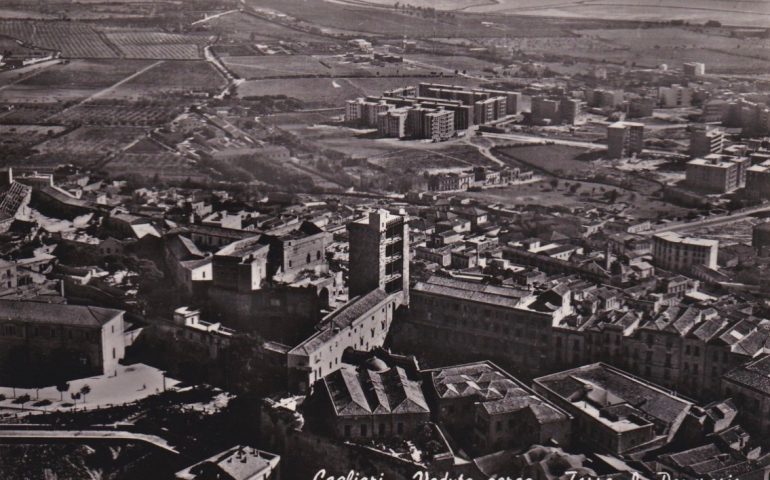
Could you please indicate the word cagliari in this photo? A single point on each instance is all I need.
(353, 475)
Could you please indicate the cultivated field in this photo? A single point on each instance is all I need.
(73, 39)
(150, 44)
(166, 165)
(90, 142)
(94, 113)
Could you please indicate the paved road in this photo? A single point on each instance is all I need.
(520, 137)
(86, 435)
(711, 221)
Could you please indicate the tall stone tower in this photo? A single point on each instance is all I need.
(379, 254)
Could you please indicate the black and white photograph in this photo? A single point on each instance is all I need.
(384, 240)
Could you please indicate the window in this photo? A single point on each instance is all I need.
(113, 353)
(363, 430)
(307, 259)
(400, 428)
(318, 255)
(382, 430)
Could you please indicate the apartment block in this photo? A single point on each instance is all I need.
(673, 252)
(675, 96)
(704, 141)
(693, 69)
(715, 173)
(625, 139)
(758, 181)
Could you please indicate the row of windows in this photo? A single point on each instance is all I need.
(363, 430)
(47, 332)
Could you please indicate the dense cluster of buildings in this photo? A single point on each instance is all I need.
(431, 111)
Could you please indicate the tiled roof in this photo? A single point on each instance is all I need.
(54, 314)
(340, 319)
(754, 374)
(649, 399)
(360, 391)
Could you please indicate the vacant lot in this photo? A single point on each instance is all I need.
(674, 46)
(171, 78)
(560, 160)
(741, 12)
(332, 92)
(84, 74)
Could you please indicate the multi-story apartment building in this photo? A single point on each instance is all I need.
(545, 110)
(379, 254)
(393, 123)
(625, 139)
(704, 141)
(360, 324)
(86, 339)
(715, 173)
(714, 111)
(693, 69)
(489, 110)
(758, 181)
(675, 96)
(602, 98)
(569, 110)
(671, 251)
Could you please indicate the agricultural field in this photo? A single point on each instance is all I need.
(20, 114)
(161, 45)
(460, 63)
(15, 136)
(117, 114)
(675, 46)
(395, 24)
(273, 66)
(73, 39)
(242, 27)
(90, 142)
(85, 74)
(328, 92)
(740, 12)
(171, 78)
(166, 165)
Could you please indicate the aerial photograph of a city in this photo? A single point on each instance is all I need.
(384, 240)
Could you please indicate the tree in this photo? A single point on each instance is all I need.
(75, 396)
(61, 388)
(85, 391)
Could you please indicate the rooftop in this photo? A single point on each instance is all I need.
(56, 314)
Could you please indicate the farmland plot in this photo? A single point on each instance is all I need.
(72, 39)
(161, 45)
